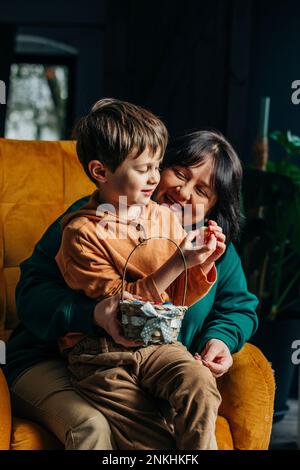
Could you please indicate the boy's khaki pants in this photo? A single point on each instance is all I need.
(128, 386)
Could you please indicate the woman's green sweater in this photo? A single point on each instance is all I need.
(48, 308)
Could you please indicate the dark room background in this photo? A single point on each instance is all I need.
(195, 63)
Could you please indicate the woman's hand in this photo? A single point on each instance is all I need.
(106, 317)
(216, 356)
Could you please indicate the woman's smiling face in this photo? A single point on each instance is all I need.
(188, 185)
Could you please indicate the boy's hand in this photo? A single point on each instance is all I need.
(106, 316)
(216, 356)
(220, 248)
(196, 254)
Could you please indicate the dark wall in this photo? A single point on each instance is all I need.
(207, 64)
(195, 63)
(56, 12)
(275, 64)
(188, 61)
(172, 57)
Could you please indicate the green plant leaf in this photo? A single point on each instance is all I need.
(270, 242)
(290, 142)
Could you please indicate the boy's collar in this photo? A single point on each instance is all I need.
(135, 212)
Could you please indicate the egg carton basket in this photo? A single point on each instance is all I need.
(152, 322)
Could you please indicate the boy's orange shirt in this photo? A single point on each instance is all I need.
(96, 244)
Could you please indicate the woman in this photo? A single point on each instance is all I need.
(199, 169)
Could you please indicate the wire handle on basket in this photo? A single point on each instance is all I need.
(157, 238)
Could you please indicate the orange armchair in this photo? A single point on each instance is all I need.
(40, 180)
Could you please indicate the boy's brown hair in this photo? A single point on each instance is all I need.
(113, 129)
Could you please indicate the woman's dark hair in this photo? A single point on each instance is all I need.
(191, 150)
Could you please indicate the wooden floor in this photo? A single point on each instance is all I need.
(284, 433)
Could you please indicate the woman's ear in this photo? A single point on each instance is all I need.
(98, 171)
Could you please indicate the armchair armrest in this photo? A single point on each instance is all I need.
(5, 413)
(247, 392)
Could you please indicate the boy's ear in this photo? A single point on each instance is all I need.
(98, 171)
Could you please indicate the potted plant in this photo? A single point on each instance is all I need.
(270, 251)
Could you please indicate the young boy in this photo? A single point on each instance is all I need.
(121, 146)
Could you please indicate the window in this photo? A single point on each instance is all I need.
(39, 104)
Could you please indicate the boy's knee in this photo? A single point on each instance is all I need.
(93, 433)
(207, 382)
(199, 380)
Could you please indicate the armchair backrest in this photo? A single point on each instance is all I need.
(39, 180)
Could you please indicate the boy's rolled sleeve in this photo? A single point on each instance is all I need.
(198, 285)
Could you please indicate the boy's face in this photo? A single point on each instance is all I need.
(136, 178)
